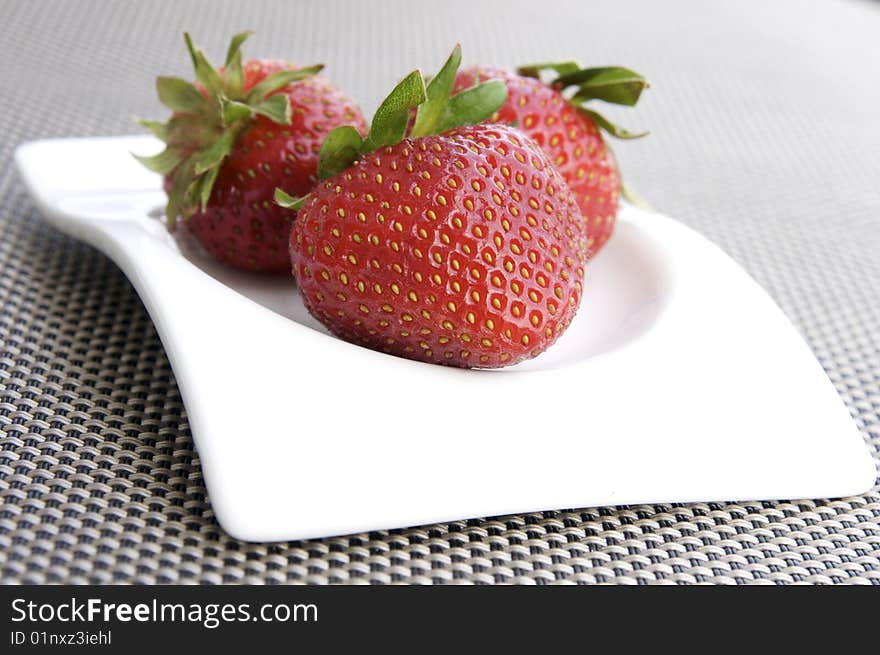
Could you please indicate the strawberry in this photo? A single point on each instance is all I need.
(458, 244)
(234, 136)
(568, 131)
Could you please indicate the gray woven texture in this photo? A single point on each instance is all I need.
(765, 139)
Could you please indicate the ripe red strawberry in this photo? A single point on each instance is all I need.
(568, 131)
(237, 134)
(464, 248)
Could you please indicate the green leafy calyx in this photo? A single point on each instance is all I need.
(614, 84)
(436, 111)
(209, 116)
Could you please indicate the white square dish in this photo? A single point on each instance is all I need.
(679, 380)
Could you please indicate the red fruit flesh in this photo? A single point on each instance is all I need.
(241, 226)
(464, 249)
(572, 141)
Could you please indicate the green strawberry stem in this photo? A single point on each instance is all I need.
(207, 122)
(437, 111)
(633, 197)
(613, 84)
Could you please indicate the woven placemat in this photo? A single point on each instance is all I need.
(765, 139)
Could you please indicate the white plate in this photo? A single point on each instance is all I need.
(679, 380)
